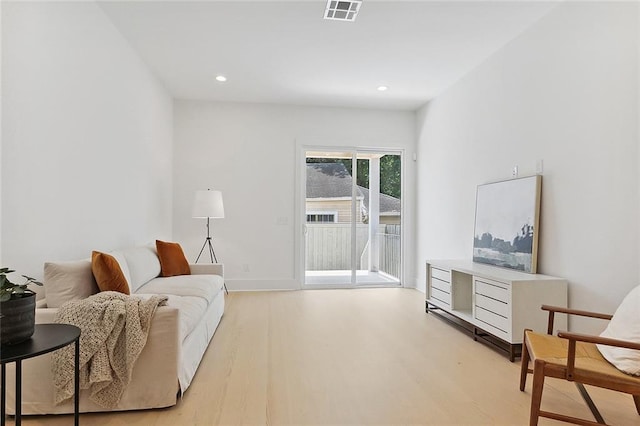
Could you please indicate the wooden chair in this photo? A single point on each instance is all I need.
(573, 357)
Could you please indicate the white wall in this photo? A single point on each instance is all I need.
(248, 151)
(566, 92)
(87, 138)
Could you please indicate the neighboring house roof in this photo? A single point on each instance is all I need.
(332, 180)
(328, 180)
(389, 206)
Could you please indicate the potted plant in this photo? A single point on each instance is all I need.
(17, 309)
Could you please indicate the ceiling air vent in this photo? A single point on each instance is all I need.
(342, 10)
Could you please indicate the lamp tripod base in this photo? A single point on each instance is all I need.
(212, 256)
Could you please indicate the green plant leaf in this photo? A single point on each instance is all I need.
(32, 280)
(9, 289)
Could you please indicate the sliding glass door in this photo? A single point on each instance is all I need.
(329, 209)
(352, 218)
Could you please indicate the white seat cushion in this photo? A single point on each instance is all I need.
(204, 286)
(190, 311)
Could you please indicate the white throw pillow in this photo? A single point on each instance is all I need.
(625, 325)
(143, 265)
(65, 281)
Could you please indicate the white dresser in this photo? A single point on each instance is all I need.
(494, 303)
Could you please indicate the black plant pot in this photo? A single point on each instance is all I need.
(17, 319)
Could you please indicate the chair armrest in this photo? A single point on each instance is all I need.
(576, 312)
(589, 338)
(207, 269)
(553, 309)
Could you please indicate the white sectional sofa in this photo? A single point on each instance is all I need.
(179, 335)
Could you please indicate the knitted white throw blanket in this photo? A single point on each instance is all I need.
(114, 329)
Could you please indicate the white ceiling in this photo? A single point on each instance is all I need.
(284, 52)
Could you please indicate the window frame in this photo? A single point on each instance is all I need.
(323, 213)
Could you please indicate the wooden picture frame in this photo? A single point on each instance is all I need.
(506, 223)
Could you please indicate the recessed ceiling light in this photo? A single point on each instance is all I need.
(221, 78)
(382, 88)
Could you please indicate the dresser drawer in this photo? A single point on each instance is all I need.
(441, 285)
(441, 296)
(493, 289)
(441, 274)
(492, 305)
(494, 320)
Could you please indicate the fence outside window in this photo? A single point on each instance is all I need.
(328, 247)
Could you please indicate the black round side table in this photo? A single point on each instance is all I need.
(46, 338)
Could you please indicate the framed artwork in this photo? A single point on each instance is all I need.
(506, 226)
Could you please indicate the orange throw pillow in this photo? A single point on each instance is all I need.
(172, 259)
(108, 274)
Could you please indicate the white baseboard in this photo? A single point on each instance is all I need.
(287, 284)
(262, 285)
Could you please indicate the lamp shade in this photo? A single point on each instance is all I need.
(208, 203)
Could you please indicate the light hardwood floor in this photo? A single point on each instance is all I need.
(367, 356)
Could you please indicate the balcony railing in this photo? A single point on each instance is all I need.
(390, 250)
(328, 247)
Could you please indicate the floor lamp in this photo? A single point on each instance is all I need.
(207, 204)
